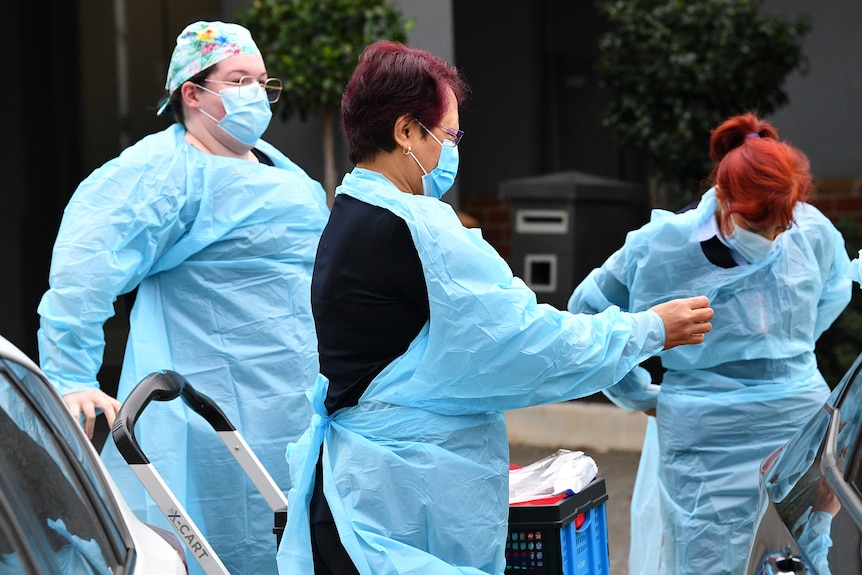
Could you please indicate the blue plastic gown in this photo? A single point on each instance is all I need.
(417, 473)
(854, 272)
(222, 252)
(816, 539)
(725, 405)
(645, 525)
(78, 556)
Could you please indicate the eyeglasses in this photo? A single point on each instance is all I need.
(249, 85)
(456, 135)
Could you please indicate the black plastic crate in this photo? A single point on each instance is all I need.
(568, 537)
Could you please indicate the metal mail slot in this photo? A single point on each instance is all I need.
(541, 272)
(542, 221)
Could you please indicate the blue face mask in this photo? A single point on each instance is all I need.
(246, 117)
(440, 179)
(753, 247)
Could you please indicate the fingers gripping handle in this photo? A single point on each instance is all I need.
(161, 386)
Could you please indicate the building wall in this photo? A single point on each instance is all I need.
(536, 105)
(824, 116)
(534, 108)
(545, 79)
(41, 158)
(11, 240)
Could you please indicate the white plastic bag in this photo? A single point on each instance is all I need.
(562, 472)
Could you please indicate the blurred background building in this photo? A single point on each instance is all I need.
(95, 70)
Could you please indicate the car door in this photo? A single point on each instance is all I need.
(814, 490)
(56, 514)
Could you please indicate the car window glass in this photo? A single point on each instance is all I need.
(810, 514)
(851, 414)
(45, 488)
(797, 457)
(800, 452)
(72, 440)
(827, 537)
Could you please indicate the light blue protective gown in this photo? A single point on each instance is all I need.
(416, 474)
(222, 252)
(725, 405)
(854, 272)
(816, 539)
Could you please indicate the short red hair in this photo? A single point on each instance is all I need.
(389, 81)
(756, 175)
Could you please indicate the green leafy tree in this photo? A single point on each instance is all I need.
(676, 69)
(313, 46)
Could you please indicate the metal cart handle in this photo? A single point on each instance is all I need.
(161, 386)
(165, 386)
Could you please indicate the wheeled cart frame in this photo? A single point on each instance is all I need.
(165, 386)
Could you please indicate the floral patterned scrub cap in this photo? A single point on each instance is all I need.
(204, 44)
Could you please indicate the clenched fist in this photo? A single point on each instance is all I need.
(686, 320)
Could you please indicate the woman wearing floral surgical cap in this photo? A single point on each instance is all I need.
(217, 230)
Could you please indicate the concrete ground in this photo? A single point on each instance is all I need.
(611, 436)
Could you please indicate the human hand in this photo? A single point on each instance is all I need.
(825, 499)
(86, 402)
(686, 320)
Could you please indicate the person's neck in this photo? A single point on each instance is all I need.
(389, 167)
(201, 139)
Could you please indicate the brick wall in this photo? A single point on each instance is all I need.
(492, 213)
(840, 197)
(841, 200)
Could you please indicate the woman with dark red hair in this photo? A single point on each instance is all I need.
(425, 339)
(773, 268)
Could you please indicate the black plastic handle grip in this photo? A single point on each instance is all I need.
(161, 386)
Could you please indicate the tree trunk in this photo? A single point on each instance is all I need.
(329, 181)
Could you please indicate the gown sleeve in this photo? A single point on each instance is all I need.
(830, 252)
(602, 288)
(485, 323)
(117, 223)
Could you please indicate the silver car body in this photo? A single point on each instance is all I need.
(809, 519)
(60, 511)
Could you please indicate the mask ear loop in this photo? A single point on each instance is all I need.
(409, 152)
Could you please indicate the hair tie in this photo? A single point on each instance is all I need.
(752, 135)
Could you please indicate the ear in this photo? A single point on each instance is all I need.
(189, 93)
(404, 126)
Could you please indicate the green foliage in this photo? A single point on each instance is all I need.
(314, 45)
(676, 69)
(838, 347)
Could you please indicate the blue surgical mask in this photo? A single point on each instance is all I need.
(246, 117)
(440, 179)
(753, 247)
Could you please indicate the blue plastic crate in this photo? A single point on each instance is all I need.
(544, 539)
